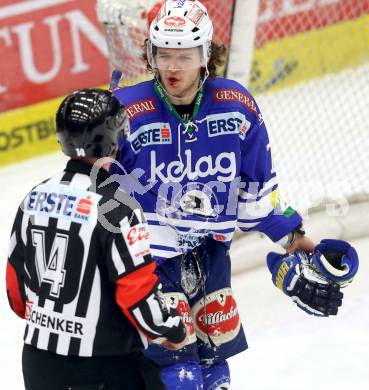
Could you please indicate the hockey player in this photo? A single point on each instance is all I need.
(200, 152)
(80, 271)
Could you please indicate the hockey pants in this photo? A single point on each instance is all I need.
(198, 285)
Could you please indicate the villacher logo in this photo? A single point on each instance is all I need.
(218, 317)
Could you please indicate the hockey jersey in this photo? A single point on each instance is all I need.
(203, 177)
(80, 271)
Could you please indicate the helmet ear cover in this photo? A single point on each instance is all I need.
(89, 123)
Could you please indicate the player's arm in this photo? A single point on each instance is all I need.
(260, 206)
(15, 268)
(297, 240)
(138, 294)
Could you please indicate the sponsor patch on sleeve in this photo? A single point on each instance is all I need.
(232, 95)
(141, 107)
(137, 240)
(227, 124)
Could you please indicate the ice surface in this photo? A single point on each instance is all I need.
(289, 350)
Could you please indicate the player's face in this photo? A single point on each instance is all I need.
(179, 70)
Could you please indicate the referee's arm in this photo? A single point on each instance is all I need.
(132, 268)
(15, 268)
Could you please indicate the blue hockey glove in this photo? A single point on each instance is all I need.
(314, 281)
(336, 260)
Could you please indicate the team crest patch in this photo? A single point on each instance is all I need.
(217, 317)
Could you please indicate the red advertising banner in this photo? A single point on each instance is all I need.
(48, 49)
(281, 18)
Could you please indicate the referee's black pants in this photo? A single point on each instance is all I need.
(44, 370)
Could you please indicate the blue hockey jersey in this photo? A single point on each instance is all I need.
(202, 182)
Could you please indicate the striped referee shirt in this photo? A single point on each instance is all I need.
(80, 271)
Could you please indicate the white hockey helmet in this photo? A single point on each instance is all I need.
(181, 24)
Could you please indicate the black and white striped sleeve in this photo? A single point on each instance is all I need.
(132, 268)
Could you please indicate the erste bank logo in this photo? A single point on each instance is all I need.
(60, 201)
(151, 134)
(228, 124)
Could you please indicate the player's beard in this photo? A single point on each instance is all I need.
(190, 90)
(184, 94)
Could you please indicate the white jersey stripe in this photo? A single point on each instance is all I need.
(164, 254)
(138, 214)
(93, 312)
(31, 327)
(157, 314)
(80, 181)
(25, 220)
(118, 263)
(162, 235)
(56, 179)
(44, 334)
(255, 210)
(13, 243)
(190, 223)
(247, 225)
(262, 192)
(63, 344)
(144, 339)
(63, 224)
(138, 315)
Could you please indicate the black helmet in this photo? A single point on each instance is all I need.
(89, 123)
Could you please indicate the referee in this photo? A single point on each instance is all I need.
(79, 269)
